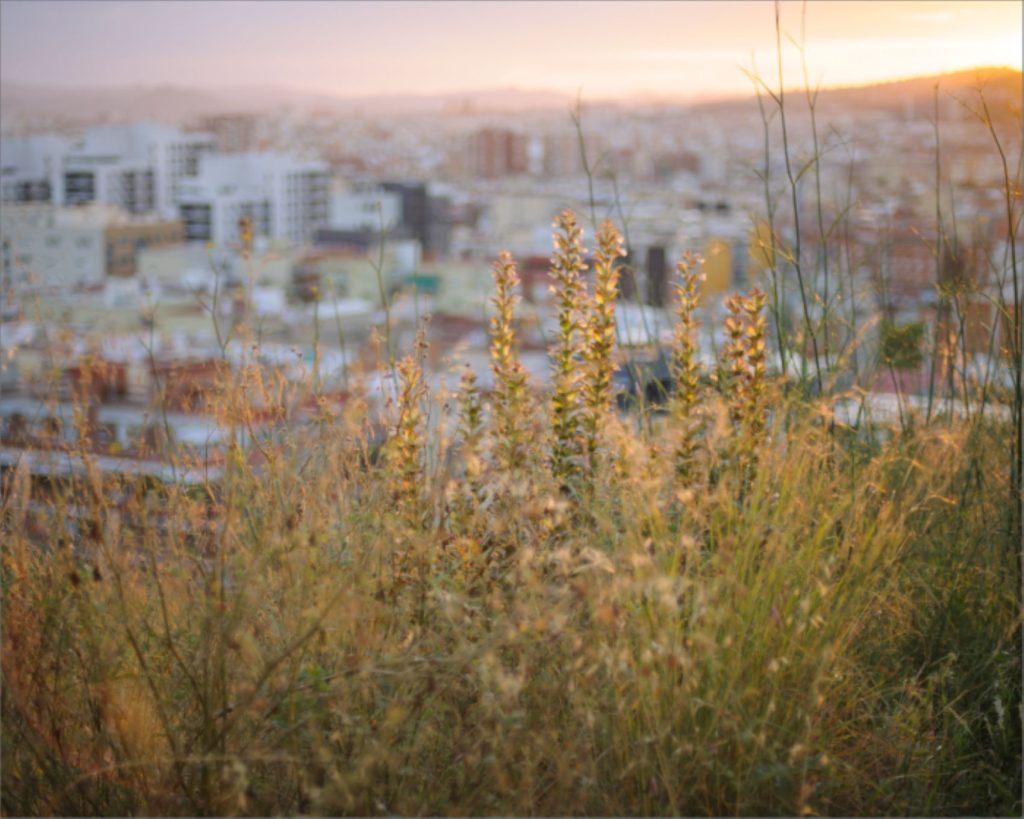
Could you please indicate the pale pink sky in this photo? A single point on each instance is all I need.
(605, 49)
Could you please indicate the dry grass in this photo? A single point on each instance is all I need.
(804, 619)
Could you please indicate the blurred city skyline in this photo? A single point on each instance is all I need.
(604, 50)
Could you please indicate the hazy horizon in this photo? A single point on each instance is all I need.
(609, 50)
(455, 92)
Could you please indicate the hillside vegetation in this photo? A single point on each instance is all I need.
(736, 606)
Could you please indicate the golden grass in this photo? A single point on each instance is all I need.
(814, 620)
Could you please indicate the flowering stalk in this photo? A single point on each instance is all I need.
(510, 389)
(471, 425)
(566, 271)
(685, 366)
(734, 356)
(600, 335)
(406, 446)
(753, 307)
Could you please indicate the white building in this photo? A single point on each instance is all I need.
(285, 198)
(137, 167)
(51, 248)
(365, 209)
(31, 168)
(47, 247)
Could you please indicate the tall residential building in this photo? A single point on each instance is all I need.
(137, 167)
(31, 168)
(496, 152)
(286, 198)
(561, 154)
(426, 215)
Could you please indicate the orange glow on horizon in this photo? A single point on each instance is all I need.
(604, 49)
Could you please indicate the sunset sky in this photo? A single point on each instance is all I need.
(604, 49)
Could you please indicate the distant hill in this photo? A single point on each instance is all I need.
(497, 100)
(164, 102)
(914, 97)
(22, 103)
(1001, 87)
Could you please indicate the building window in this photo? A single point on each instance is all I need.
(198, 222)
(80, 187)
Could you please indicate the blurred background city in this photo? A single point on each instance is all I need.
(172, 172)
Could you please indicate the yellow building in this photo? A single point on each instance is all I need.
(338, 274)
(717, 266)
(125, 239)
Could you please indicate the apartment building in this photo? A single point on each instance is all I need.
(51, 247)
(286, 198)
(31, 168)
(136, 167)
(365, 208)
(497, 152)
